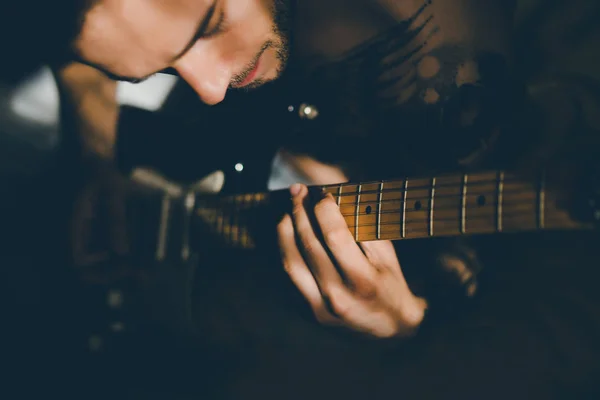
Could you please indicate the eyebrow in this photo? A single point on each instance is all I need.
(200, 31)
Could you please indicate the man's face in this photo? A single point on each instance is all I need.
(212, 44)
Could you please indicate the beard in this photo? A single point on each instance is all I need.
(282, 12)
(282, 15)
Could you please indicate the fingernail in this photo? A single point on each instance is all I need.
(295, 189)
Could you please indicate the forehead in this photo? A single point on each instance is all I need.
(150, 31)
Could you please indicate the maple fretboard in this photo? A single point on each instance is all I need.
(447, 205)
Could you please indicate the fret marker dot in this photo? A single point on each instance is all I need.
(368, 210)
(481, 201)
(239, 167)
(417, 205)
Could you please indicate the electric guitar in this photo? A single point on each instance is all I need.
(162, 221)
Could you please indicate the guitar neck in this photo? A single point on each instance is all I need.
(448, 205)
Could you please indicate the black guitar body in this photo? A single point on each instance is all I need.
(90, 308)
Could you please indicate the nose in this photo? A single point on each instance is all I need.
(206, 72)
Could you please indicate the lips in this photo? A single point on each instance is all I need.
(250, 77)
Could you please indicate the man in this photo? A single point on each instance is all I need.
(219, 45)
(216, 46)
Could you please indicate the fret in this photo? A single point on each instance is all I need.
(357, 211)
(390, 207)
(190, 205)
(219, 221)
(481, 203)
(447, 205)
(339, 196)
(161, 244)
(379, 200)
(463, 204)
(404, 201)
(431, 205)
(235, 221)
(541, 211)
(499, 198)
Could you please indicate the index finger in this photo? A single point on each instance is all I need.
(352, 263)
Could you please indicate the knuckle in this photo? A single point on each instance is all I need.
(309, 244)
(338, 305)
(323, 317)
(284, 227)
(324, 205)
(388, 331)
(288, 266)
(297, 210)
(366, 288)
(335, 238)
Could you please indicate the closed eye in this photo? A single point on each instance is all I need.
(218, 28)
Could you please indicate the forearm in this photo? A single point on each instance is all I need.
(90, 109)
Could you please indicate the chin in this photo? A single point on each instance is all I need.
(274, 73)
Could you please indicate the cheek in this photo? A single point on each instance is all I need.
(250, 19)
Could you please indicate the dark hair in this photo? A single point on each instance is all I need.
(38, 32)
(71, 20)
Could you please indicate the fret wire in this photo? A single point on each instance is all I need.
(236, 221)
(427, 186)
(190, 205)
(500, 188)
(445, 197)
(339, 199)
(484, 222)
(405, 189)
(431, 205)
(463, 205)
(542, 201)
(484, 219)
(493, 192)
(358, 190)
(394, 190)
(243, 238)
(380, 198)
(438, 209)
(161, 244)
(220, 221)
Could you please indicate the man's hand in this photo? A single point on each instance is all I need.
(360, 287)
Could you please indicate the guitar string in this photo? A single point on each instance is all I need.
(508, 180)
(478, 218)
(236, 207)
(474, 226)
(425, 205)
(474, 222)
(487, 219)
